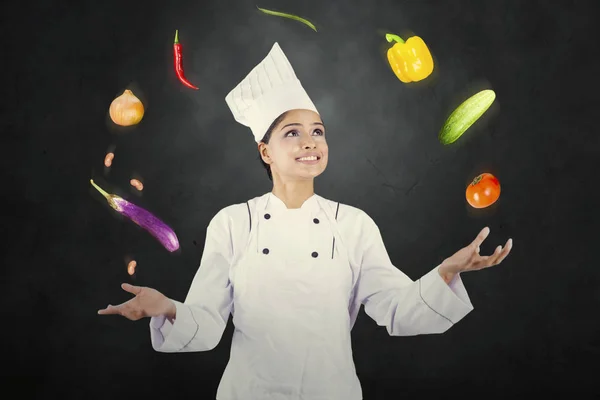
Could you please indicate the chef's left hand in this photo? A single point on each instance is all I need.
(468, 258)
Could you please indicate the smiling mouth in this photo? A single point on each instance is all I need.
(311, 158)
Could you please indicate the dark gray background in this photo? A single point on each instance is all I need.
(535, 324)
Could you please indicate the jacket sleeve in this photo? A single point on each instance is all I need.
(201, 319)
(406, 307)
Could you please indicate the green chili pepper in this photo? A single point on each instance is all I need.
(294, 17)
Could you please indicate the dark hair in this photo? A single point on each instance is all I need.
(266, 139)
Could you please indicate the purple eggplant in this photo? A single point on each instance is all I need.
(143, 218)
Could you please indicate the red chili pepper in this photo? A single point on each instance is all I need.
(179, 62)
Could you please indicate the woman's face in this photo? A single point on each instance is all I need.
(297, 149)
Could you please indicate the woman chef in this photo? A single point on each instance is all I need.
(293, 268)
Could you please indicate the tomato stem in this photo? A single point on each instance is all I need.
(476, 180)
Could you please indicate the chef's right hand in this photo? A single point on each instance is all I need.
(147, 302)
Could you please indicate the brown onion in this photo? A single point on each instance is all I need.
(126, 110)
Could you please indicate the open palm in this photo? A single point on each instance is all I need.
(469, 259)
(147, 302)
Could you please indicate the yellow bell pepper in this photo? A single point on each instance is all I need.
(411, 61)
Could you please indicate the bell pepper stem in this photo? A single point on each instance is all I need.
(389, 37)
(176, 36)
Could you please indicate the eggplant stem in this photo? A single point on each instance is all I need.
(98, 188)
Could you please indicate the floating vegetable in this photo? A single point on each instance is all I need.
(483, 191)
(143, 218)
(177, 52)
(131, 267)
(465, 115)
(411, 61)
(136, 184)
(290, 16)
(126, 109)
(108, 159)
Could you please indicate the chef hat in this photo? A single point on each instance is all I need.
(269, 90)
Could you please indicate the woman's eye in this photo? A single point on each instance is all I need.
(319, 132)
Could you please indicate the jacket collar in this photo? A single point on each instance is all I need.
(274, 203)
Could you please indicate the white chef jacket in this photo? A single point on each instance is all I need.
(294, 280)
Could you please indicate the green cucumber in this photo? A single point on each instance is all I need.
(465, 115)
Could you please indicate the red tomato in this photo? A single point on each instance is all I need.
(483, 191)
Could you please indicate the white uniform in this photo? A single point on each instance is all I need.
(294, 285)
(294, 279)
